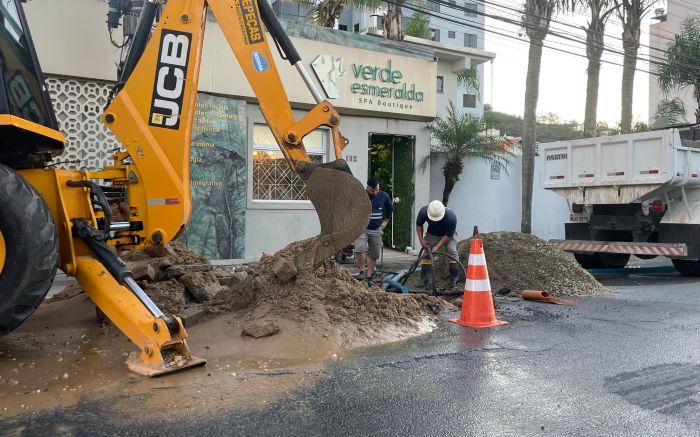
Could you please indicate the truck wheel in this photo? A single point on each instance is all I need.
(687, 267)
(29, 248)
(589, 260)
(614, 260)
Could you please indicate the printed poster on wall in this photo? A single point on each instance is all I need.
(218, 178)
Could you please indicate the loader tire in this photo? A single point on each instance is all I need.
(31, 248)
(687, 267)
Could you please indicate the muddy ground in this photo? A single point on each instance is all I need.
(62, 355)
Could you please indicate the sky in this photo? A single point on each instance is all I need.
(563, 76)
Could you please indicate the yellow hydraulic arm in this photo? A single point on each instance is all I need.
(151, 112)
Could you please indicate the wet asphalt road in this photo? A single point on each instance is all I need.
(623, 364)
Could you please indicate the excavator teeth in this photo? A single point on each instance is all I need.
(342, 206)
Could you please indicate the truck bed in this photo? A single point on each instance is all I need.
(619, 169)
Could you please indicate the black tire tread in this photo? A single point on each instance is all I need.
(687, 267)
(35, 279)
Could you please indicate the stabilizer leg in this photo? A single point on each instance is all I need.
(163, 348)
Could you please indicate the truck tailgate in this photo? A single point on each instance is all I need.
(617, 169)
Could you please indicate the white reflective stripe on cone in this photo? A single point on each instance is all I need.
(477, 285)
(477, 259)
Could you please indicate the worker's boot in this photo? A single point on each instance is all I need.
(425, 272)
(454, 273)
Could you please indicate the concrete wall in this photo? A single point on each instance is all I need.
(494, 204)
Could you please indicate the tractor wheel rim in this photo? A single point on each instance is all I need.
(2, 252)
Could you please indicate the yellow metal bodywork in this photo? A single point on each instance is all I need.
(154, 168)
(160, 197)
(134, 320)
(21, 123)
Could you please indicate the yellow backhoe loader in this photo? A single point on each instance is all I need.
(55, 218)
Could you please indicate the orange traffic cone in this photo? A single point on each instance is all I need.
(477, 305)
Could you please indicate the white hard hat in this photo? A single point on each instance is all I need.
(436, 211)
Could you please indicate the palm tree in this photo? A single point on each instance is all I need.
(631, 13)
(459, 136)
(325, 13)
(536, 19)
(392, 22)
(670, 112)
(595, 32)
(680, 68)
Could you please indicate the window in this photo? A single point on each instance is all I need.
(343, 27)
(435, 34)
(440, 84)
(469, 100)
(453, 2)
(272, 177)
(470, 9)
(469, 40)
(451, 34)
(356, 28)
(433, 6)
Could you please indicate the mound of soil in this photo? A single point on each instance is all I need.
(524, 262)
(326, 299)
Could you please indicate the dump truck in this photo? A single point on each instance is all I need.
(60, 218)
(632, 194)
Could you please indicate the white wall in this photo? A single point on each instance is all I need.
(494, 204)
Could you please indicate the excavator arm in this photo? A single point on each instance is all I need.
(151, 112)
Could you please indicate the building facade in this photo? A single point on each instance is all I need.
(385, 91)
(665, 24)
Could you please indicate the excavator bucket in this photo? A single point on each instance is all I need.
(171, 358)
(342, 206)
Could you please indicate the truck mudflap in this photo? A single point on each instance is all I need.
(583, 246)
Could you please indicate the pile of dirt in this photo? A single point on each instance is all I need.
(519, 261)
(326, 300)
(174, 276)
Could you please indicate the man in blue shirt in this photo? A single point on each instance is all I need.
(442, 225)
(382, 209)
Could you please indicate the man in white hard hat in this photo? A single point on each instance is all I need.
(441, 232)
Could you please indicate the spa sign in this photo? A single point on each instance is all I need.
(373, 86)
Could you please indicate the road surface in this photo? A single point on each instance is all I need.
(623, 364)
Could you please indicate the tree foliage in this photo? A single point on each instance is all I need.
(681, 66)
(457, 137)
(670, 112)
(469, 79)
(325, 13)
(546, 130)
(418, 25)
